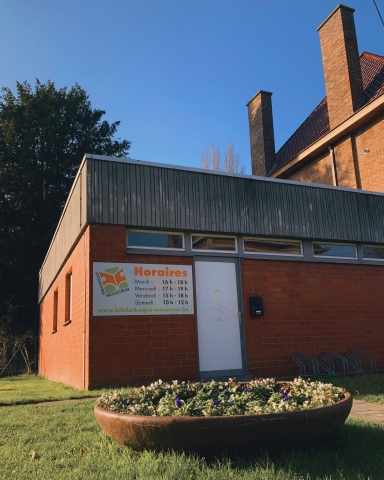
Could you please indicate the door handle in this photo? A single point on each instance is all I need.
(240, 317)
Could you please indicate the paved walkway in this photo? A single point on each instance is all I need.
(371, 412)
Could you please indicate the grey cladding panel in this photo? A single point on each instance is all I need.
(159, 197)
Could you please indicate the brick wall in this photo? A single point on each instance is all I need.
(345, 165)
(61, 353)
(310, 308)
(359, 160)
(317, 171)
(136, 349)
(371, 162)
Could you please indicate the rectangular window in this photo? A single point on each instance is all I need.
(372, 252)
(272, 246)
(334, 250)
(68, 298)
(155, 240)
(55, 311)
(209, 243)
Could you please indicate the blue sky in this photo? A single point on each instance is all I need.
(178, 73)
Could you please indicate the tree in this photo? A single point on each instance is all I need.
(212, 160)
(44, 134)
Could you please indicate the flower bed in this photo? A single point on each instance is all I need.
(222, 398)
(211, 417)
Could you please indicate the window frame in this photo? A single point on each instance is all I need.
(167, 249)
(55, 310)
(246, 252)
(200, 250)
(68, 298)
(371, 259)
(356, 257)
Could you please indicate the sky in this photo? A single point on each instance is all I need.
(179, 73)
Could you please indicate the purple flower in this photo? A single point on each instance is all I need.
(178, 402)
(216, 402)
(245, 390)
(285, 395)
(231, 403)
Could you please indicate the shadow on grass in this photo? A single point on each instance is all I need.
(356, 451)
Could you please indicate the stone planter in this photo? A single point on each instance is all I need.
(212, 434)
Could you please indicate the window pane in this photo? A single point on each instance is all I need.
(330, 250)
(205, 242)
(155, 240)
(373, 252)
(271, 245)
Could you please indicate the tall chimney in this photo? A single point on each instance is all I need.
(341, 63)
(261, 133)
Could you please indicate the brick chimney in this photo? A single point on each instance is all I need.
(261, 133)
(341, 63)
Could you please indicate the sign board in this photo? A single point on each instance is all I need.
(142, 289)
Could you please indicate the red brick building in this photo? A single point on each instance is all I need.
(341, 143)
(152, 267)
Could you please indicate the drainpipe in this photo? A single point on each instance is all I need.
(333, 165)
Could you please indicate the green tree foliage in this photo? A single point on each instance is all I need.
(44, 134)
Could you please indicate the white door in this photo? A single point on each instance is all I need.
(218, 319)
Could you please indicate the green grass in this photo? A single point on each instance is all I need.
(26, 389)
(69, 444)
(33, 389)
(363, 387)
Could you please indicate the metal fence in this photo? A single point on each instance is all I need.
(18, 350)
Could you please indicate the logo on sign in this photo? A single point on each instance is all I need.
(112, 281)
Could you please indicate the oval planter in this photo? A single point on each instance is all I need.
(212, 434)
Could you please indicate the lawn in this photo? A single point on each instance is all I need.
(33, 389)
(363, 387)
(64, 441)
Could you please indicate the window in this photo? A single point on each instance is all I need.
(334, 250)
(272, 246)
(55, 310)
(372, 252)
(156, 240)
(208, 243)
(68, 298)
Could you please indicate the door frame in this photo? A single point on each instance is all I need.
(224, 373)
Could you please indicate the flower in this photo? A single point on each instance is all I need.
(285, 395)
(231, 403)
(216, 402)
(245, 390)
(178, 402)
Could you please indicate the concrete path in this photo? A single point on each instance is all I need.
(370, 412)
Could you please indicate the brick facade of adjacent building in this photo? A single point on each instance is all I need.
(341, 143)
(359, 160)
